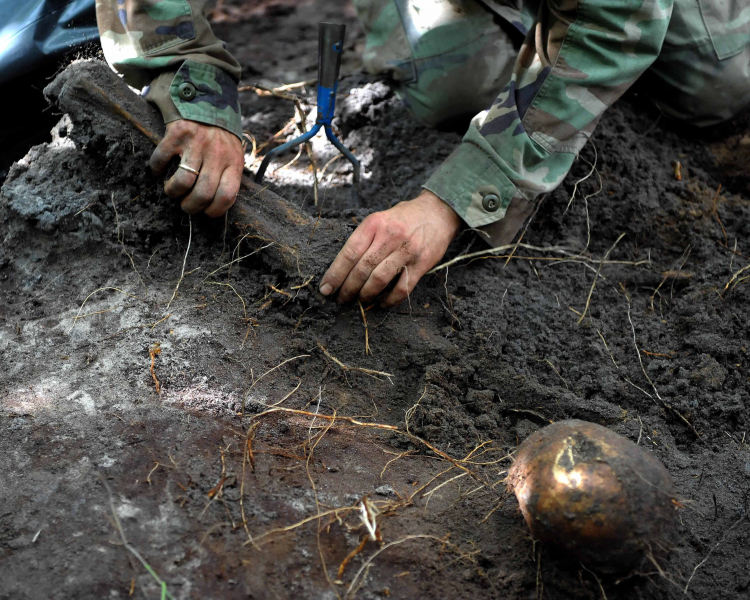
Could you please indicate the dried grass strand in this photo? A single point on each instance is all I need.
(78, 315)
(596, 277)
(353, 587)
(658, 399)
(184, 261)
(370, 372)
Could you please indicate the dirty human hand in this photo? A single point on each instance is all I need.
(405, 241)
(212, 151)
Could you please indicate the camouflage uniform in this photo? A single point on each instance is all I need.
(167, 48)
(574, 60)
(547, 70)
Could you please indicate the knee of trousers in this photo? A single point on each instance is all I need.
(440, 96)
(702, 92)
(446, 63)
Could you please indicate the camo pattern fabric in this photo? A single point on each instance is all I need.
(159, 45)
(576, 59)
(427, 45)
(702, 75)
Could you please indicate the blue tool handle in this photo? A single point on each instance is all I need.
(330, 47)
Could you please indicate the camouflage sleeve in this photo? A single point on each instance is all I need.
(167, 49)
(578, 58)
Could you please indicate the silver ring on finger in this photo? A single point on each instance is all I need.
(187, 168)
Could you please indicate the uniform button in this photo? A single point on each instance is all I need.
(491, 202)
(186, 91)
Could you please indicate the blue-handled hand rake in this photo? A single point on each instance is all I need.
(330, 47)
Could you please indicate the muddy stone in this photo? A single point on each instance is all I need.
(603, 500)
(83, 224)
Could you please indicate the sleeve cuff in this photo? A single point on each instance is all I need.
(198, 92)
(473, 185)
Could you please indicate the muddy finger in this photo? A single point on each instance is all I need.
(163, 154)
(348, 257)
(407, 281)
(359, 274)
(203, 191)
(183, 179)
(382, 276)
(226, 194)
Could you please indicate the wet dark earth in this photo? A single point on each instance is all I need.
(278, 458)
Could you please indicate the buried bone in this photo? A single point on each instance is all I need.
(301, 246)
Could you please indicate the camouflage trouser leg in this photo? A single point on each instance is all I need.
(450, 59)
(453, 58)
(702, 75)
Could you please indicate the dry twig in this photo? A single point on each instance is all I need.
(367, 331)
(317, 502)
(710, 552)
(247, 456)
(236, 260)
(715, 212)
(244, 308)
(349, 557)
(78, 316)
(523, 233)
(577, 183)
(593, 284)
(153, 351)
(216, 491)
(121, 241)
(735, 280)
(657, 398)
(369, 372)
(410, 411)
(571, 256)
(598, 581)
(164, 591)
(356, 583)
(184, 261)
(393, 460)
(255, 381)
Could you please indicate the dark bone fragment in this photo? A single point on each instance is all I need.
(97, 99)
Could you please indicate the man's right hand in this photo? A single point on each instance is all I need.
(405, 241)
(212, 151)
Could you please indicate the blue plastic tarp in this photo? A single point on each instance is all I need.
(36, 32)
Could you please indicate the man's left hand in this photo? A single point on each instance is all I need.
(405, 241)
(215, 153)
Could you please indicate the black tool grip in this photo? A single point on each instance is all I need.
(330, 46)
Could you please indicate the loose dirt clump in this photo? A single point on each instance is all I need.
(384, 475)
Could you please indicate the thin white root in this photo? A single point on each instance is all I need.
(184, 261)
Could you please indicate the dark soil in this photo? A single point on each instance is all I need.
(92, 251)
